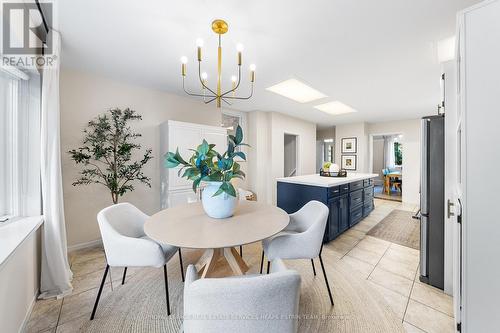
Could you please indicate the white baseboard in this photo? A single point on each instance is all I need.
(23, 327)
(84, 245)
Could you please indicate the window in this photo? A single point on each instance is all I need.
(398, 153)
(19, 143)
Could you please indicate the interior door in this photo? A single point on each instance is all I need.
(455, 178)
(450, 225)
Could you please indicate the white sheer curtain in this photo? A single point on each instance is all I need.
(389, 159)
(56, 275)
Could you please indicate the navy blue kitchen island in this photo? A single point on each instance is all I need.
(350, 199)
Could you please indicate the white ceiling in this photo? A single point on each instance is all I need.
(378, 57)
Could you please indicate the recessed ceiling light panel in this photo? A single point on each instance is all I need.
(296, 90)
(335, 108)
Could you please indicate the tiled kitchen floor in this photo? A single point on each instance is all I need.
(391, 269)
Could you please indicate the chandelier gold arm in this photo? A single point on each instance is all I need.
(237, 85)
(192, 94)
(201, 80)
(237, 97)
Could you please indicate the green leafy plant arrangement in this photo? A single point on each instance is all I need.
(108, 146)
(206, 164)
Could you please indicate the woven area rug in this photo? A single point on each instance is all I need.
(139, 305)
(398, 227)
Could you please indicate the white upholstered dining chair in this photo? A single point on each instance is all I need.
(248, 303)
(126, 244)
(301, 239)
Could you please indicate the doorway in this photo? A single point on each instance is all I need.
(290, 156)
(387, 162)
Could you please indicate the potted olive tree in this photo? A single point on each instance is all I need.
(219, 198)
(107, 153)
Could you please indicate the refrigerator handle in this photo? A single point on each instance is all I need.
(423, 167)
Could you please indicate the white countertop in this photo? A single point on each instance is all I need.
(317, 180)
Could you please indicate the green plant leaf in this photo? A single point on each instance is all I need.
(203, 148)
(230, 189)
(239, 135)
(196, 183)
(241, 154)
(170, 160)
(219, 191)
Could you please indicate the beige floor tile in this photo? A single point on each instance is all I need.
(89, 266)
(428, 319)
(88, 281)
(401, 256)
(86, 254)
(391, 281)
(396, 301)
(362, 268)
(44, 315)
(81, 304)
(365, 255)
(373, 244)
(355, 233)
(405, 250)
(411, 329)
(401, 268)
(362, 227)
(75, 325)
(347, 239)
(340, 246)
(433, 297)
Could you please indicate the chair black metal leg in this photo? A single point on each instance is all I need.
(166, 288)
(326, 279)
(268, 266)
(124, 274)
(241, 251)
(314, 269)
(261, 261)
(182, 266)
(99, 293)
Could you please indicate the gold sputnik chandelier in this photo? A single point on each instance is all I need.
(220, 27)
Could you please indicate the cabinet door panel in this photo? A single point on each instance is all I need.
(333, 225)
(182, 138)
(217, 138)
(343, 213)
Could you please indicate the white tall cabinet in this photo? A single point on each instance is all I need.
(478, 162)
(184, 136)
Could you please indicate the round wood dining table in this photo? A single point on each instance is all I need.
(188, 226)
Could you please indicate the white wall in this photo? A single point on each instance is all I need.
(266, 156)
(410, 129)
(19, 283)
(84, 96)
(357, 130)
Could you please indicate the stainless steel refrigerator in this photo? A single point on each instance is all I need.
(432, 201)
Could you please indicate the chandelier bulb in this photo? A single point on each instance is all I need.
(239, 47)
(184, 60)
(199, 42)
(253, 67)
(233, 78)
(204, 75)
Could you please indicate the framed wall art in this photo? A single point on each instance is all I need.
(349, 162)
(349, 145)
